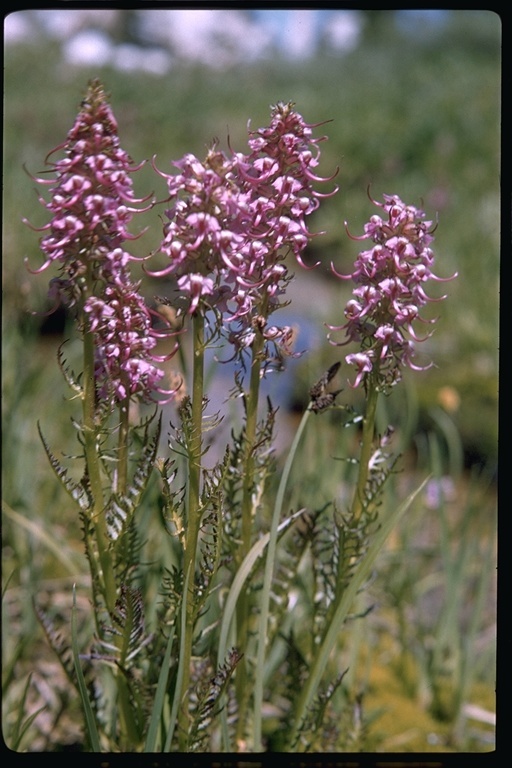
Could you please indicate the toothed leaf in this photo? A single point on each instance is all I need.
(208, 703)
(79, 492)
(128, 624)
(121, 508)
(72, 380)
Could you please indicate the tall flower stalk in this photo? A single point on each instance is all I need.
(387, 299)
(389, 291)
(279, 175)
(92, 203)
(197, 240)
(277, 182)
(232, 223)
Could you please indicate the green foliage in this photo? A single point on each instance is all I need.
(407, 116)
(120, 508)
(208, 702)
(79, 492)
(23, 722)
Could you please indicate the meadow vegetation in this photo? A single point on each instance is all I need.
(412, 117)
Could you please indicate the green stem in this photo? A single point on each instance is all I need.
(122, 446)
(344, 603)
(251, 422)
(93, 471)
(267, 583)
(121, 485)
(193, 519)
(106, 567)
(344, 597)
(366, 449)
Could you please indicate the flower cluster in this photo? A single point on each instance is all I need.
(202, 238)
(124, 340)
(389, 293)
(235, 219)
(91, 200)
(92, 204)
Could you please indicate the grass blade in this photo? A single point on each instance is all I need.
(89, 714)
(21, 726)
(230, 606)
(267, 583)
(361, 573)
(179, 675)
(238, 582)
(158, 705)
(40, 534)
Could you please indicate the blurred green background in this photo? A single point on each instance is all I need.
(414, 110)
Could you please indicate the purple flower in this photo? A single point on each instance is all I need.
(389, 293)
(124, 340)
(91, 200)
(363, 363)
(196, 286)
(233, 221)
(92, 204)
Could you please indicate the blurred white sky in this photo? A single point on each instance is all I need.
(218, 38)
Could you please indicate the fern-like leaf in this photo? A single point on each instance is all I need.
(57, 642)
(126, 630)
(321, 726)
(79, 492)
(172, 593)
(208, 703)
(72, 380)
(173, 511)
(286, 576)
(121, 508)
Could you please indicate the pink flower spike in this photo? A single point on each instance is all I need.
(389, 291)
(92, 200)
(233, 220)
